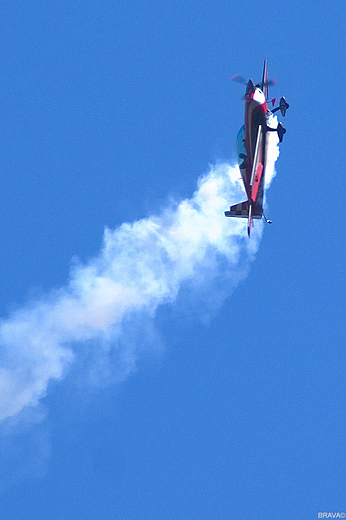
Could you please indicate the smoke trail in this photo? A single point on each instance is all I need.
(141, 266)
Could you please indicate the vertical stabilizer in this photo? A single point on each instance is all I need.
(264, 84)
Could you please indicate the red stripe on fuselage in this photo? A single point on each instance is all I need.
(257, 180)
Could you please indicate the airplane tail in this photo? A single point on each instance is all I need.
(242, 210)
(246, 210)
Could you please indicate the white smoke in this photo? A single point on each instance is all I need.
(141, 266)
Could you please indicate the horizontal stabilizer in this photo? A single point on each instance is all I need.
(242, 210)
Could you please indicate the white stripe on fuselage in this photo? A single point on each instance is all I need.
(257, 99)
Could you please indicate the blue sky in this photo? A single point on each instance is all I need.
(235, 407)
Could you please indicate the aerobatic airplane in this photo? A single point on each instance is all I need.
(252, 145)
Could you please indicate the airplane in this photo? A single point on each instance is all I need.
(252, 145)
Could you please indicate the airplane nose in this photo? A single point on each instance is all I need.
(250, 88)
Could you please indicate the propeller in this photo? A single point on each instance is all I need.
(269, 83)
(238, 78)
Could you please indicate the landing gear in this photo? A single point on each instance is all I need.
(283, 106)
(281, 130)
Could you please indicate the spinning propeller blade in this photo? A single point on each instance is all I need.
(238, 78)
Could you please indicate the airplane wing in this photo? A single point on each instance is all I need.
(252, 208)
